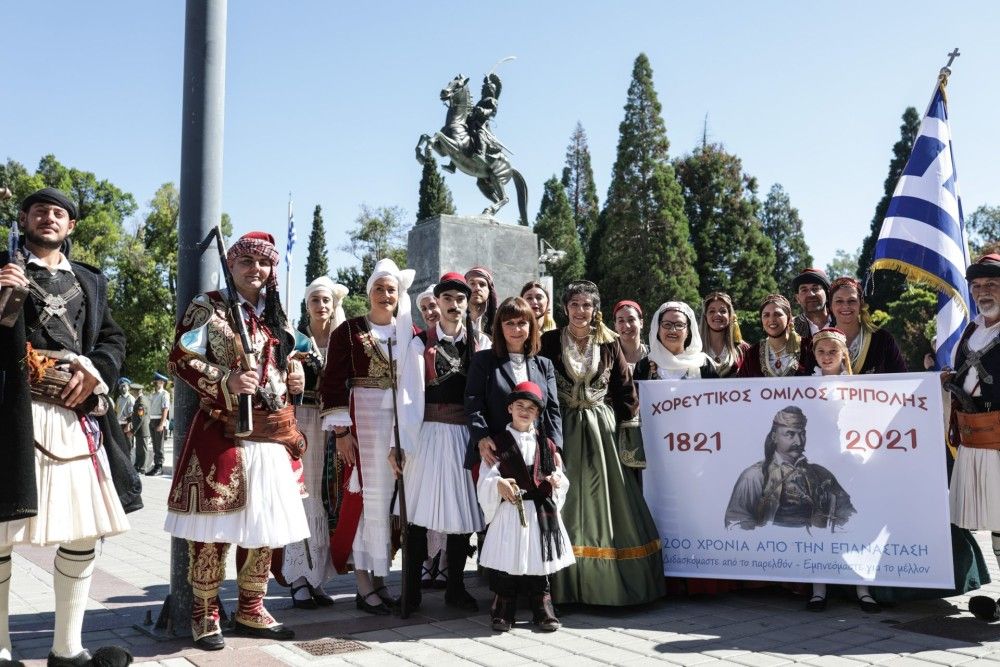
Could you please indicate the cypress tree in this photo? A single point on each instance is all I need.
(888, 286)
(555, 224)
(641, 245)
(578, 181)
(435, 197)
(720, 200)
(783, 226)
(317, 263)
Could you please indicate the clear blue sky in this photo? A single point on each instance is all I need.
(327, 99)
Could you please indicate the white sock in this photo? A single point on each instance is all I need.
(819, 590)
(74, 565)
(302, 592)
(5, 570)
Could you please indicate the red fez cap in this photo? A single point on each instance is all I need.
(528, 391)
(452, 281)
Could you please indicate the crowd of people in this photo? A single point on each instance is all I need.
(499, 423)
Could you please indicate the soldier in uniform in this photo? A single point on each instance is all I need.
(139, 426)
(230, 489)
(66, 478)
(159, 420)
(784, 488)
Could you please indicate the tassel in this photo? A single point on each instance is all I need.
(353, 483)
(603, 334)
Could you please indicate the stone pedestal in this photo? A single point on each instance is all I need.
(457, 243)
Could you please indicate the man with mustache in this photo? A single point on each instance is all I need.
(784, 488)
(66, 479)
(975, 418)
(812, 291)
(441, 491)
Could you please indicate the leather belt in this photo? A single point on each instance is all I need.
(980, 430)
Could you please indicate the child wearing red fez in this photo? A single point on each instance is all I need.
(521, 495)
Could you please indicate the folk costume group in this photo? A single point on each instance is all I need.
(509, 427)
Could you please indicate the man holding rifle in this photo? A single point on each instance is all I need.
(440, 489)
(66, 479)
(235, 482)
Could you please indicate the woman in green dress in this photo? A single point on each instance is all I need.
(616, 544)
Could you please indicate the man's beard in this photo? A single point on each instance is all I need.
(990, 313)
(42, 242)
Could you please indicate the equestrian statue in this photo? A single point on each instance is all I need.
(468, 141)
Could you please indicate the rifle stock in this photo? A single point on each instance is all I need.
(400, 491)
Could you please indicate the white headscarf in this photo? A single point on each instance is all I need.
(426, 294)
(404, 318)
(692, 358)
(337, 292)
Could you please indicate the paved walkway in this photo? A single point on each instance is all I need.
(752, 628)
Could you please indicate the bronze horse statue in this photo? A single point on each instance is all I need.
(467, 140)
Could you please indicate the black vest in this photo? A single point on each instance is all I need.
(54, 332)
(990, 398)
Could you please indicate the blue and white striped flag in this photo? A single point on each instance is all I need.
(291, 236)
(923, 235)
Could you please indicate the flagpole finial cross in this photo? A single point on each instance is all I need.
(951, 57)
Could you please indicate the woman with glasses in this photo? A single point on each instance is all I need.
(674, 347)
(616, 543)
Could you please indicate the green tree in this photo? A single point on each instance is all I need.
(103, 207)
(908, 318)
(641, 245)
(379, 232)
(435, 197)
(578, 181)
(887, 286)
(317, 263)
(731, 252)
(983, 229)
(143, 306)
(843, 263)
(555, 224)
(782, 225)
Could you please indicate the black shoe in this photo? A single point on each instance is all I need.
(155, 471)
(140, 470)
(321, 598)
(210, 642)
(278, 632)
(461, 600)
(500, 625)
(984, 608)
(10, 663)
(81, 659)
(111, 656)
(377, 609)
(383, 593)
(308, 603)
(816, 603)
(869, 605)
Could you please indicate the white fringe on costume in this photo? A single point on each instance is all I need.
(273, 515)
(76, 499)
(974, 496)
(295, 563)
(439, 489)
(509, 546)
(373, 410)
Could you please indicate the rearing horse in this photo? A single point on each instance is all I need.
(488, 165)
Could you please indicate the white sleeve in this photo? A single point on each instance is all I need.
(411, 408)
(486, 489)
(559, 494)
(339, 417)
(89, 369)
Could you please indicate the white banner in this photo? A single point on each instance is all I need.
(839, 479)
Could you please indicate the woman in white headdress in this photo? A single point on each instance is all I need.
(305, 566)
(674, 346)
(357, 400)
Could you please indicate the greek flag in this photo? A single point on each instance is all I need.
(923, 235)
(291, 236)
